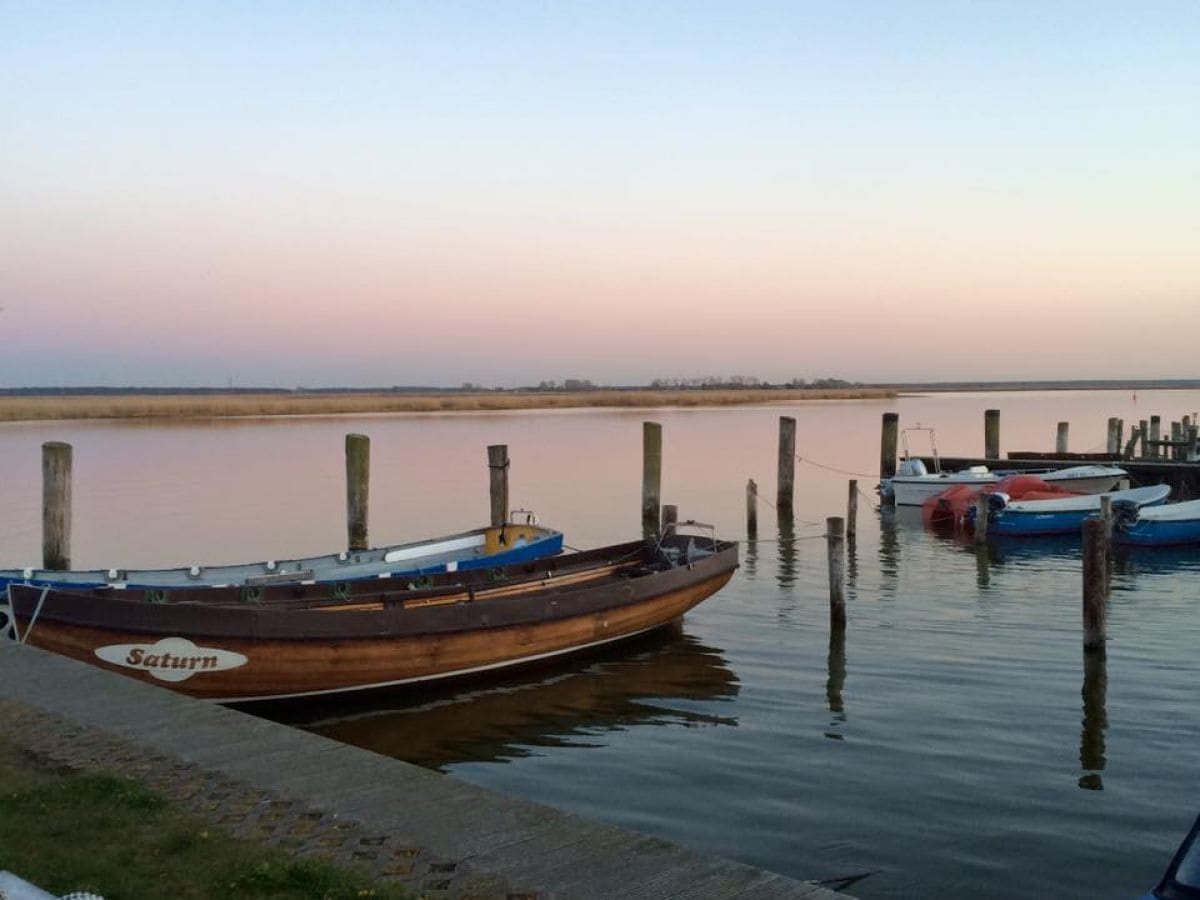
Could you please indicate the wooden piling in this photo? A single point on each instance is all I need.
(1060, 438)
(358, 477)
(835, 537)
(981, 518)
(889, 436)
(852, 510)
(1193, 439)
(1155, 436)
(651, 476)
(1113, 444)
(1176, 436)
(1130, 446)
(751, 510)
(1095, 582)
(1143, 431)
(670, 518)
(1106, 516)
(498, 482)
(56, 505)
(991, 434)
(787, 463)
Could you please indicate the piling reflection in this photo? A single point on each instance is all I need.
(787, 550)
(1095, 720)
(835, 683)
(889, 549)
(750, 561)
(497, 723)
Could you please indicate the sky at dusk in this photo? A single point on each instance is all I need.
(288, 194)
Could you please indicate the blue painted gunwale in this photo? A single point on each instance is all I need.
(545, 543)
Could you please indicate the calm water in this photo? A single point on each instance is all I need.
(953, 745)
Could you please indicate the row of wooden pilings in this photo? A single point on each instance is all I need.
(1146, 440)
(57, 464)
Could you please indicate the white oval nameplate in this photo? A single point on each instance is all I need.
(171, 659)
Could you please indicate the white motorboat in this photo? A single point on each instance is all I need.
(913, 483)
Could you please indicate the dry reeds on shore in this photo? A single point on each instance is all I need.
(209, 406)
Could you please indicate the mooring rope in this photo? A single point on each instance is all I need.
(813, 462)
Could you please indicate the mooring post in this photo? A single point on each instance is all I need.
(1113, 445)
(991, 434)
(56, 505)
(887, 445)
(835, 536)
(1120, 434)
(1106, 516)
(981, 518)
(358, 477)
(1176, 437)
(670, 518)
(1060, 439)
(1144, 437)
(498, 482)
(651, 477)
(1193, 438)
(787, 463)
(751, 509)
(1155, 436)
(852, 510)
(1095, 582)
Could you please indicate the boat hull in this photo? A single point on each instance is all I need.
(1041, 517)
(1174, 523)
(243, 654)
(914, 490)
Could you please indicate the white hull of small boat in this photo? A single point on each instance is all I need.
(914, 490)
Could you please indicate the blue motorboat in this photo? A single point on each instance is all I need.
(1062, 515)
(1182, 878)
(1154, 526)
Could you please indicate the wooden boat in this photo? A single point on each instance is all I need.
(1062, 515)
(1181, 881)
(276, 641)
(913, 483)
(483, 547)
(1171, 523)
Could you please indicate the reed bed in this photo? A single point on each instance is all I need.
(212, 406)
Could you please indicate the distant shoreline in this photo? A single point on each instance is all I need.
(214, 405)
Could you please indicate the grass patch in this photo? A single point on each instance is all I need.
(66, 831)
(209, 406)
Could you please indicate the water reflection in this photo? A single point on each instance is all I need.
(504, 722)
(787, 550)
(889, 548)
(750, 560)
(835, 683)
(1095, 719)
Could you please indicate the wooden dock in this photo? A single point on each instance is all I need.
(443, 837)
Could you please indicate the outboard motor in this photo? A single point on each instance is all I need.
(997, 501)
(1124, 512)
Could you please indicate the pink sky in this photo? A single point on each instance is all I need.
(631, 217)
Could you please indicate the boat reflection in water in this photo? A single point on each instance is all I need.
(549, 708)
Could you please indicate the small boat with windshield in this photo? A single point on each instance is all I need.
(913, 483)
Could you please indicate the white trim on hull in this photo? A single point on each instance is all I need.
(913, 490)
